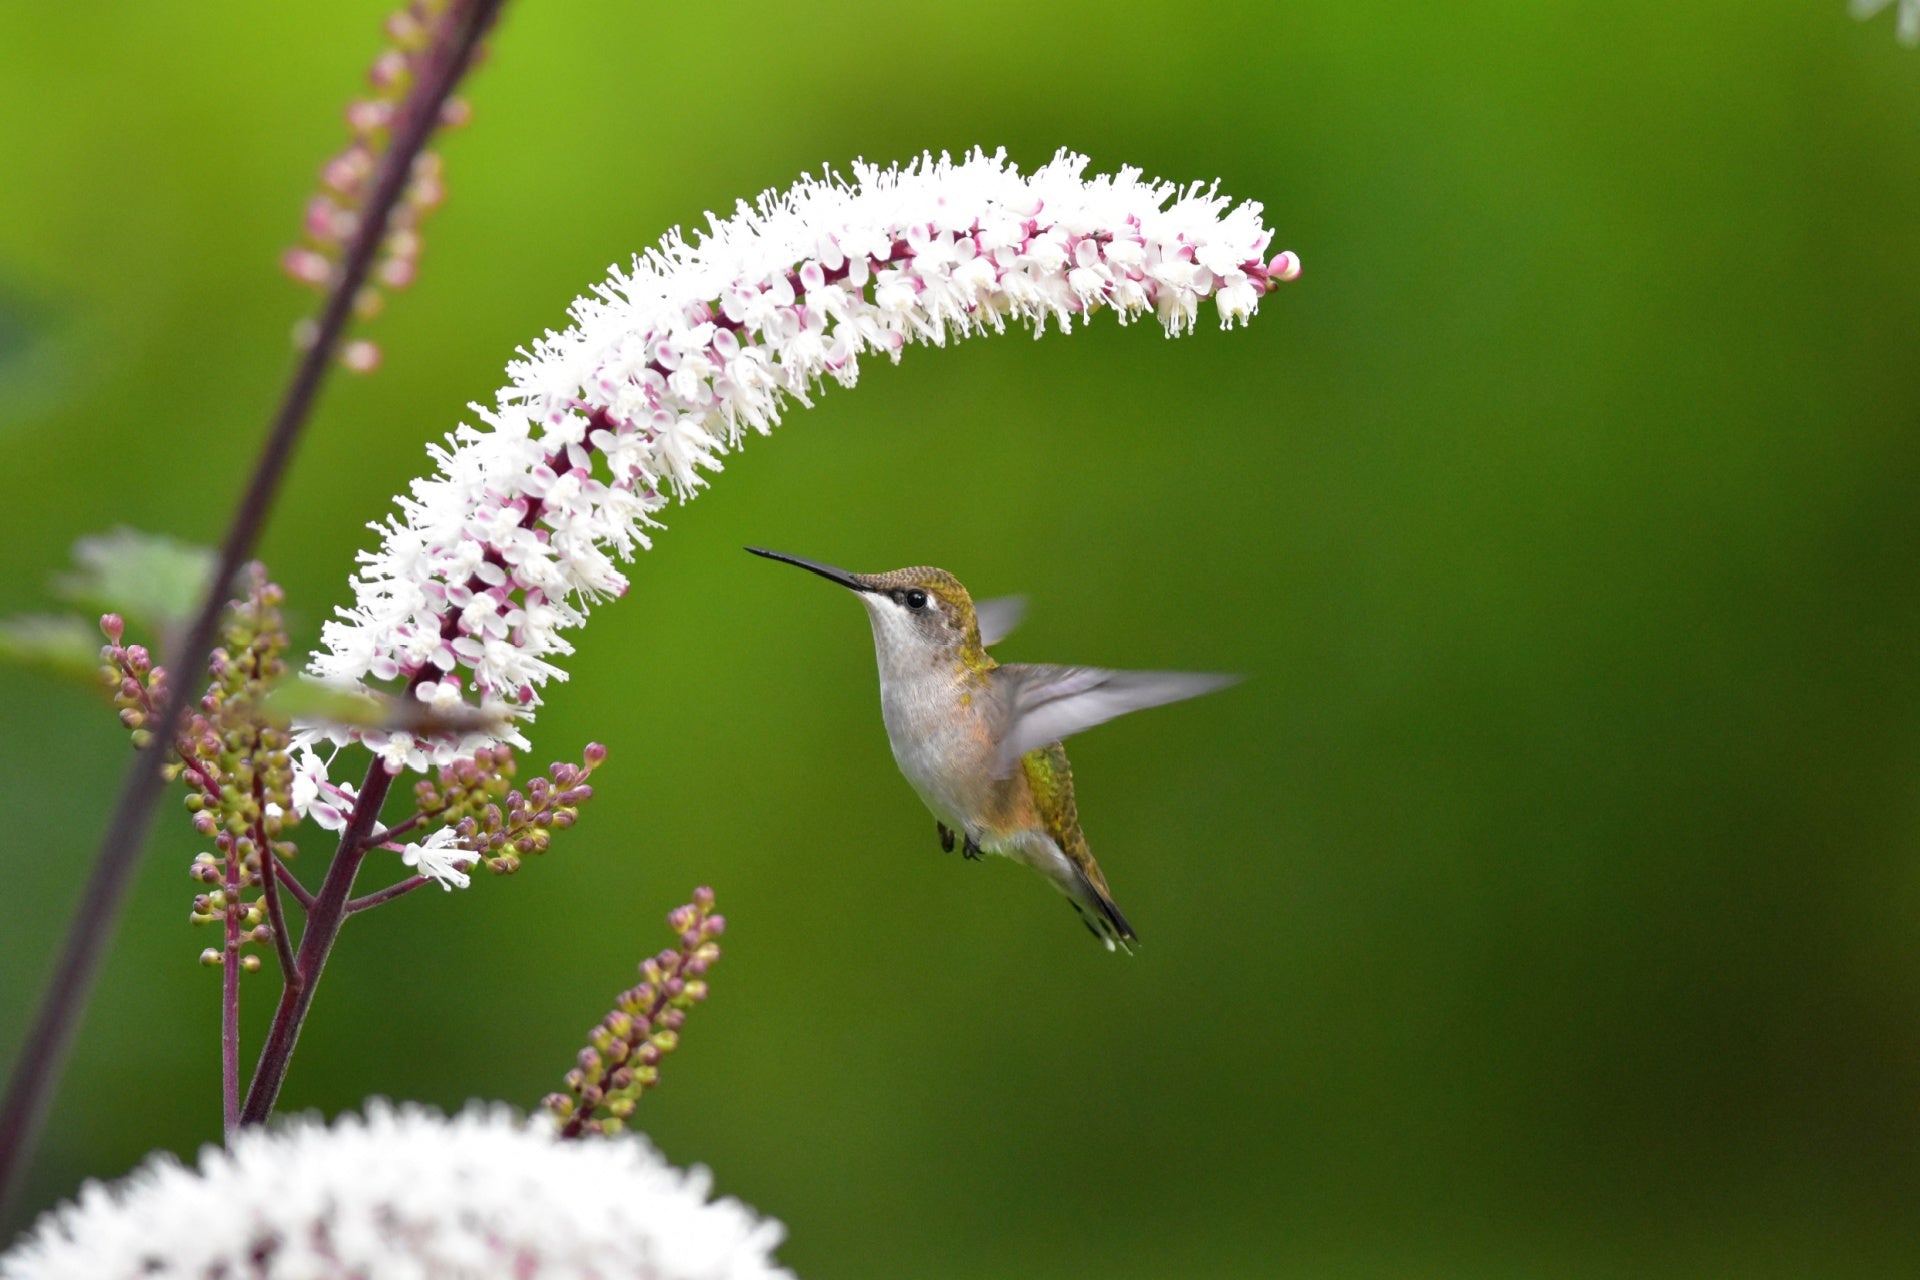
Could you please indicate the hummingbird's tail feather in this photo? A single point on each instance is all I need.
(1100, 913)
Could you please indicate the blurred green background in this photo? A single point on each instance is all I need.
(1546, 902)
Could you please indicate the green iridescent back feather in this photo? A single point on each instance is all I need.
(1052, 780)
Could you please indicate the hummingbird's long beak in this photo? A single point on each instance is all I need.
(827, 571)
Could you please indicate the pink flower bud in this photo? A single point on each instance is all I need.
(397, 273)
(307, 266)
(360, 356)
(388, 70)
(347, 173)
(321, 220)
(367, 115)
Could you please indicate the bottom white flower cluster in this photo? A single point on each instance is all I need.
(405, 1194)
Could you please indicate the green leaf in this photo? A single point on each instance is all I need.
(65, 645)
(148, 578)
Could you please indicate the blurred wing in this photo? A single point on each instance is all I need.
(1048, 703)
(999, 617)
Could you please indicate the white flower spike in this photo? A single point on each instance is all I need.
(670, 364)
(405, 1193)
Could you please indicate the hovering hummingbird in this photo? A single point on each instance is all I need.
(980, 742)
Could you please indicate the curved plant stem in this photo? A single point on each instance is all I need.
(96, 918)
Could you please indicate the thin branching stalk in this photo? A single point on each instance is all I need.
(96, 919)
(388, 894)
(270, 868)
(291, 883)
(324, 918)
(230, 1003)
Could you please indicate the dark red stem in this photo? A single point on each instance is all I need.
(230, 1003)
(276, 916)
(324, 918)
(270, 882)
(400, 828)
(291, 883)
(97, 918)
(388, 894)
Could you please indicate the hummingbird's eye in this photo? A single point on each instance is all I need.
(916, 599)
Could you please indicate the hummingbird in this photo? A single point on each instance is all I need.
(981, 741)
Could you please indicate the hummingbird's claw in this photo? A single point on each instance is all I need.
(971, 851)
(946, 837)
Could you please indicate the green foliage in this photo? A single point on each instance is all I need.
(62, 644)
(150, 579)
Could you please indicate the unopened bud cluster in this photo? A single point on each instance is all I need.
(463, 788)
(622, 1058)
(501, 830)
(234, 762)
(238, 769)
(128, 672)
(333, 216)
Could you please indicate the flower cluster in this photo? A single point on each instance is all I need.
(668, 365)
(333, 216)
(405, 1192)
(232, 758)
(622, 1058)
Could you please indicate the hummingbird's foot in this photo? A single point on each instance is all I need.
(946, 837)
(971, 851)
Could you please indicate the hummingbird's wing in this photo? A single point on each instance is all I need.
(998, 617)
(1046, 703)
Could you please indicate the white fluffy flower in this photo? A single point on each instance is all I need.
(1909, 23)
(313, 796)
(440, 856)
(668, 365)
(405, 1194)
